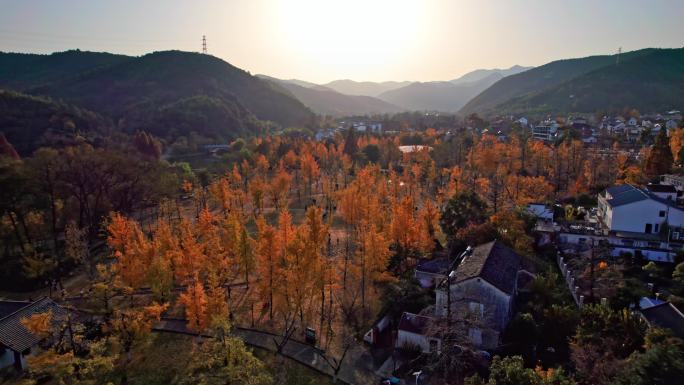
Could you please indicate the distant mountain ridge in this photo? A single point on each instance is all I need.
(650, 82)
(447, 96)
(647, 79)
(374, 89)
(480, 74)
(439, 96)
(326, 101)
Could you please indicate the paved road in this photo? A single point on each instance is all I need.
(357, 368)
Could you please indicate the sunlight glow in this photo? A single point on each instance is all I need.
(351, 34)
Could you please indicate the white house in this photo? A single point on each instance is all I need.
(413, 331)
(645, 222)
(545, 131)
(627, 208)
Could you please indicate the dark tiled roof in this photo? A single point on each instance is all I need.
(667, 316)
(413, 323)
(14, 335)
(626, 194)
(434, 266)
(493, 262)
(619, 189)
(661, 188)
(9, 307)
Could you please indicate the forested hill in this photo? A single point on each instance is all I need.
(169, 93)
(651, 82)
(29, 122)
(516, 93)
(21, 71)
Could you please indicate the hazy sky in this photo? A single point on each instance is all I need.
(323, 40)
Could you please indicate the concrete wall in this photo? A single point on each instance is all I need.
(634, 216)
(496, 311)
(6, 358)
(404, 337)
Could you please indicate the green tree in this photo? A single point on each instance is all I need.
(512, 371)
(463, 208)
(372, 153)
(662, 363)
(225, 359)
(660, 158)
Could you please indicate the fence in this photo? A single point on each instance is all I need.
(569, 279)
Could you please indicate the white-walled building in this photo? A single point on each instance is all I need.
(626, 208)
(413, 331)
(645, 222)
(545, 131)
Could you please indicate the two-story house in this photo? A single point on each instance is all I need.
(481, 292)
(627, 208)
(642, 221)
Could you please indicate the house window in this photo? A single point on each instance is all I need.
(647, 228)
(434, 346)
(655, 229)
(476, 308)
(661, 213)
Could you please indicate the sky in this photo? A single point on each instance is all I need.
(364, 40)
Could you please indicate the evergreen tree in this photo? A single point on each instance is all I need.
(660, 159)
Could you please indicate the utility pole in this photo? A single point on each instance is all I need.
(204, 44)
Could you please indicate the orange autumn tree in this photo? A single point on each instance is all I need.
(132, 250)
(190, 259)
(310, 171)
(267, 253)
(194, 300)
(279, 187)
(39, 324)
(404, 228)
(372, 260)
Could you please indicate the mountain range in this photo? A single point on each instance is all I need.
(326, 101)
(348, 97)
(648, 80)
(174, 93)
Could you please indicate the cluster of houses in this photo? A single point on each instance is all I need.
(645, 222)
(479, 287)
(476, 290)
(629, 130)
(361, 126)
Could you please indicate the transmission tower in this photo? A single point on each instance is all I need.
(204, 44)
(617, 59)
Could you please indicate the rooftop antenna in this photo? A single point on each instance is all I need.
(204, 44)
(617, 59)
